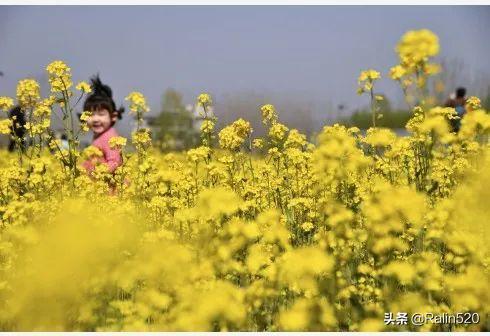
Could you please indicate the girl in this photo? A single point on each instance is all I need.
(101, 122)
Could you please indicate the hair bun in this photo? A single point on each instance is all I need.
(100, 88)
(120, 111)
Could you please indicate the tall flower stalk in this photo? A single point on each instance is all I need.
(366, 85)
(60, 80)
(141, 137)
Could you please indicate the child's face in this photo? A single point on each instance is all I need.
(100, 121)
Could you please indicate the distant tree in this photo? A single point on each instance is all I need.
(174, 125)
(485, 101)
(390, 118)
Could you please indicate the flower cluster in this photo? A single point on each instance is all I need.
(366, 80)
(5, 126)
(269, 114)
(204, 100)
(137, 103)
(59, 76)
(84, 87)
(232, 137)
(417, 46)
(117, 142)
(285, 235)
(6, 103)
(28, 93)
(141, 137)
(415, 50)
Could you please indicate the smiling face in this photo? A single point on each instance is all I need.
(101, 120)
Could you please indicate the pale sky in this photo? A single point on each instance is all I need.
(312, 53)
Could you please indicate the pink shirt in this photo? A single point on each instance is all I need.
(111, 157)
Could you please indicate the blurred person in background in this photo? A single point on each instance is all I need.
(457, 101)
(18, 130)
(64, 142)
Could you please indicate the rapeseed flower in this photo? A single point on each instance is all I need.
(28, 93)
(303, 235)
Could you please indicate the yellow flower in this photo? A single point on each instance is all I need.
(366, 80)
(233, 136)
(84, 87)
(59, 76)
(416, 46)
(57, 68)
(198, 154)
(473, 103)
(432, 68)
(297, 236)
(258, 143)
(5, 126)
(369, 75)
(277, 132)
(42, 110)
(91, 152)
(397, 72)
(269, 114)
(307, 226)
(354, 130)
(54, 144)
(38, 128)
(403, 271)
(207, 126)
(137, 102)
(6, 103)
(28, 93)
(117, 142)
(381, 137)
(85, 116)
(214, 202)
(142, 137)
(204, 100)
(297, 318)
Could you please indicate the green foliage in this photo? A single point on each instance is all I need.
(387, 117)
(174, 126)
(390, 119)
(485, 102)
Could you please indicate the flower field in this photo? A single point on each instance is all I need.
(242, 233)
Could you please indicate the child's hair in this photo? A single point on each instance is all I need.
(101, 98)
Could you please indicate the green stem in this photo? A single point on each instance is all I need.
(373, 106)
